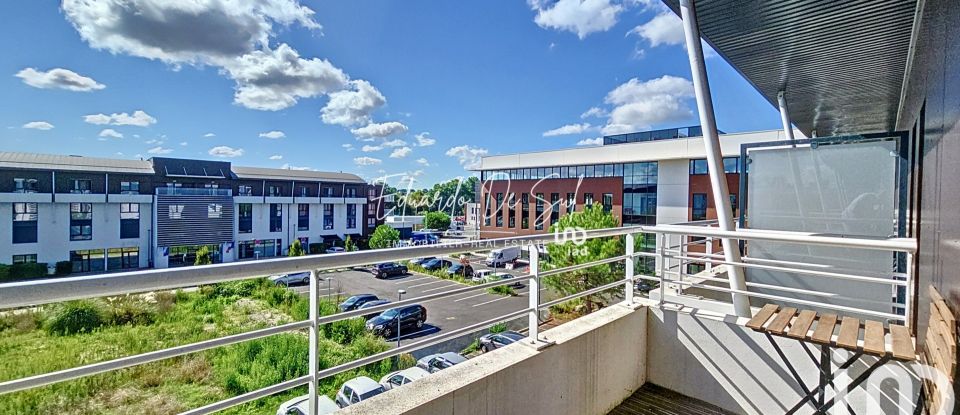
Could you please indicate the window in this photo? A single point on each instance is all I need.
(640, 193)
(587, 199)
(129, 220)
(327, 192)
(698, 166)
(694, 269)
(87, 260)
(25, 259)
(538, 221)
(571, 202)
(607, 202)
(351, 216)
(81, 222)
(733, 204)
(214, 211)
(244, 190)
(244, 218)
(274, 191)
(81, 186)
(303, 191)
(24, 223)
(499, 210)
(699, 211)
(511, 215)
(327, 216)
(554, 207)
(487, 209)
(303, 216)
(350, 192)
(123, 258)
(525, 211)
(25, 185)
(276, 217)
(129, 188)
(731, 165)
(176, 211)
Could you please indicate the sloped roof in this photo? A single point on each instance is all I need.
(291, 174)
(76, 163)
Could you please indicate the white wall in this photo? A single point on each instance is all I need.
(261, 223)
(673, 189)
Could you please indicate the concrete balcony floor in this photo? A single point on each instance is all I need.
(654, 400)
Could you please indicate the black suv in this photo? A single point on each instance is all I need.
(356, 301)
(386, 324)
(388, 269)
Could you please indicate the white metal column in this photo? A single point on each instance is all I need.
(533, 329)
(314, 340)
(785, 115)
(711, 140)
(628, 270)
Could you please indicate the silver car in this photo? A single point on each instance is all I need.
(287, 280)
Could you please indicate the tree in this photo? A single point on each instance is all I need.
(384, 237)
(595, 249)
(348, 244)
(296, 249)
(204, 256)
(436, 220)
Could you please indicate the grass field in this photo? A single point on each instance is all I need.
(77, 333)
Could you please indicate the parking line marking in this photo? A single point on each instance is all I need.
(491, 301)
(465, 298)
(440, 288)
(439, 281)
(408, 335)
(415, 279)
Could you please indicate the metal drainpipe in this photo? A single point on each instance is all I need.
(785, 116)
(718, 181)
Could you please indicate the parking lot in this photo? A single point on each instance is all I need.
(444, 314)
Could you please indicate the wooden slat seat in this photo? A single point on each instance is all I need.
(777, 321)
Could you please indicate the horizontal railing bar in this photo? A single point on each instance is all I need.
(807, 238)
(581, 266)
(805, 265)
(824, 274)
(249, 396)
(798, 291)
(591, 291)
(124, 362)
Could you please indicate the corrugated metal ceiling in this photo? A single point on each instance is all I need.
(841, 62)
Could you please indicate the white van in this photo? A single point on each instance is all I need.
(481, 274)
(499, 257)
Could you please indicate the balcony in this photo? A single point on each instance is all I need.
(188, 191)
(674, 337)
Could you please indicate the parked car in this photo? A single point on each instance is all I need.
(435, 264)
(497, 340)
(300, 406)
(481, 275)
(374, 303)
(500, 257)
(403, 377)
(437, 362)
(421, 261)
(387, 269)
(287, 280)
(504, 276)
(452, 232)
(356, 301)
(465, 271)
(644, 286)
(386, 324)
(335, 250)
(358, 389)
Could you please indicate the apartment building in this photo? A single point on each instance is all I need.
(109, 214)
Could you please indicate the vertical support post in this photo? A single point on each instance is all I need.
(661, 265)
(628, 273)
(709, 265)
(908, 296)
(711, 140)
(681, 263)
(314, 340)
(533, 330)
(785, 117)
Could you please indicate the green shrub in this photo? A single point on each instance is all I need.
(498, 328)
(252, 365)
(28, 270)
(81, 316)
(502, 290)
(21, 321)
(64, 267)
(4, 272)
(130, 310)
(317, 248)
(344, 331)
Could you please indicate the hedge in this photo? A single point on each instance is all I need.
(22, 271)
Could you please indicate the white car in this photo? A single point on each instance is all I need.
(358, 389)
(481, 275)
(300, 406)
(335, 250)
(403, 377)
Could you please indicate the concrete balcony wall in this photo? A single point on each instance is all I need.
(716, 359)
(597, 362)
(26, 197)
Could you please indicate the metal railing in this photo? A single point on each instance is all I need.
(32, 293)
(193, 191)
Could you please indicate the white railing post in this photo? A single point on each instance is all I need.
(533, 331)
(681, 263)
(908, 295)
(628, 272)
(661, 265)
(314, 338)
(709, 266)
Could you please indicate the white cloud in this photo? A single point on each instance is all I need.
(401, 152)
(276, 157)
(577, 16)
(394, 143)
(590, 141)
(110, 132)
(594, 112)
(380, 130)
(209, 135)
(468, 156)
(275, 79)
(160, 150)
(225, 152)
(640, 104)
(38, 125)
(58, 78)
(568, 129)
(288, 166)
(352, 106)
(139, 119)
(366, 161)
(368, 148)
(347, 146)
(423, 162)
(424, 141)
(664, 29)
(273, 134)
(183, 143)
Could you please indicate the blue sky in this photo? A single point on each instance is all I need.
(424, 87)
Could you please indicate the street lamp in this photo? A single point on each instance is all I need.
(400, 294)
